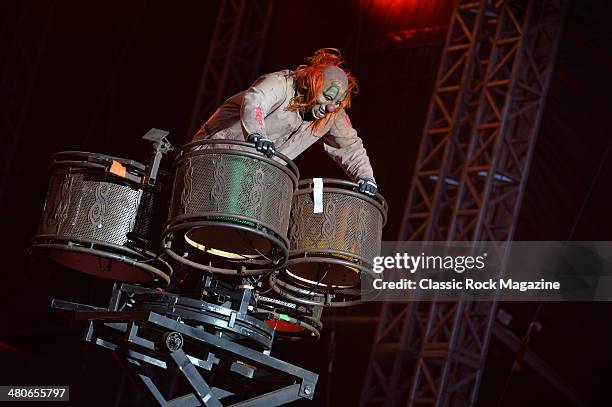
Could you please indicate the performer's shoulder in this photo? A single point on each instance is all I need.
(286, 75)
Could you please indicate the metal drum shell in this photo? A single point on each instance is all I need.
(346, 236)
(88, 214)
(219, 188)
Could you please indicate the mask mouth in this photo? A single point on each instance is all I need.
(318, 111)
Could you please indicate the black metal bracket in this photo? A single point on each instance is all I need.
(161, 147)
(149, 345)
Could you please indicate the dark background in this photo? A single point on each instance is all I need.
(112, 70)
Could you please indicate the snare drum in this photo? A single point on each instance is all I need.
(230, 208)
(104, 224)
(331, 248)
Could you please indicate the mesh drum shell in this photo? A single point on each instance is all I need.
(88, 214)
(331, 249)
(238, 199)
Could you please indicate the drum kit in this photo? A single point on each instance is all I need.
(228, 245)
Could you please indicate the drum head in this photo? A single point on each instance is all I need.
(229, 243)
(103, 268)
(283, 326)
(105, 264)
(290, 321)
(324, 274)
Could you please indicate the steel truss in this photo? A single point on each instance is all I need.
(234, 55)
(468, 184)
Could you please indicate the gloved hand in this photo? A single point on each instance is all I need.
(367, 186)
(262, 144)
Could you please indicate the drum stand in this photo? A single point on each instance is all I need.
(150, 346)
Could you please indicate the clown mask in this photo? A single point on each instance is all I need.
(332, 93)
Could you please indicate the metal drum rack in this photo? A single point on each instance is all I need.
(155, 345)
(256, 263)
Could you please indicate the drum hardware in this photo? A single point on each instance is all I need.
(161, 147)
(223, 321)
(290, 321)
(287, 287)
(228, 291)
(230, 207)
(101, 215)
(270, 263)
(214, 368)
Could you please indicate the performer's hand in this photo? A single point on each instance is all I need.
(367, 186)
(262, 144)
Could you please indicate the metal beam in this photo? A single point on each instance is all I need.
(524, 354)
(468, 183)
(431, 197)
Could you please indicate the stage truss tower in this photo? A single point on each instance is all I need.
(468, 183)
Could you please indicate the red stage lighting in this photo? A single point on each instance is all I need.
(394, 15)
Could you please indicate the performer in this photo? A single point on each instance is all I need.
(288, 111)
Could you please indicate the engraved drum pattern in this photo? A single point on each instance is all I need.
(347, 224)
(233, 185)
(230, 207)
(102, 211)
(101, 224)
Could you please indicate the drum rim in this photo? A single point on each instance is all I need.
(380, 204)
(187, 150)
(171, 230)
(203, 217)
(153, 271)
(267, 306)
(294, 259)
(284, 289)
(99, 160)
(71, 167)
(68, 239)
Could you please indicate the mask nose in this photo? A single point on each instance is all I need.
(330, 108)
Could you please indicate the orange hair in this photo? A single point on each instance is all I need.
(309, 80)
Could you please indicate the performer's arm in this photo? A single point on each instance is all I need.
(262, 98)
(346, 148)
